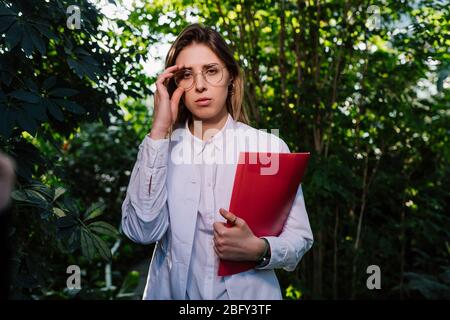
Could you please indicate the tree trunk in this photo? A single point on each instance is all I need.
(335, 258)
(318, 263)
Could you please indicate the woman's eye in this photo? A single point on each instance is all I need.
(186, 75)
(212, 71)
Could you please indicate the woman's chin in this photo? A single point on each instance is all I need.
(205, 112)
(211, 111)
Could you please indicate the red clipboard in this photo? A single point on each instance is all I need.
(264, 189)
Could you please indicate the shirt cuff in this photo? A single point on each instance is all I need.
(155, 153)
(278, 252)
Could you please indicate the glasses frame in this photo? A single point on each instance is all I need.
(194, 82)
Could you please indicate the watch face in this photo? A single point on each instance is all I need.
(267, 255)
(264, 261)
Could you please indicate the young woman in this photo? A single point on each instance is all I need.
(179, 199)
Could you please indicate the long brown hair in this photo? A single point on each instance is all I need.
(197, 33)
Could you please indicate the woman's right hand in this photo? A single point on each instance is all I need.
(165, 108)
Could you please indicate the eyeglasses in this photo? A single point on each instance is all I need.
(185, 78)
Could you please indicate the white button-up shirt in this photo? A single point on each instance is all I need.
(203, 281)
(174, 203)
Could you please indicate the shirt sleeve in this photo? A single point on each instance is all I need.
(144, 210)
(295, 240)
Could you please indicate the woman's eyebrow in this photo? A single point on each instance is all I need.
(204, 66)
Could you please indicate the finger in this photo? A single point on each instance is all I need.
(161, 92)
(219, 228)
(160, 87)
(239, 222)
(172, 68)
(219, 240)
(156, 99)
(163, 76)
(219, 254)
(169, 72)
(177, 95)
(228, 215)
(216, 243)
(175, 100)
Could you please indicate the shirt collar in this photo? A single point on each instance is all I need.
(216, 140)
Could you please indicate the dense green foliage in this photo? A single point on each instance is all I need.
(362, 85)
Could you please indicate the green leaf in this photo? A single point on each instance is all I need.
(87, 244)
(59, 192)
(37, 41)
(63, 92)
(4, 11)
(25, 96)
(54, 110)
(70, 106)
(74, 240)
(59, 212)
(66, 221)
(6, 22)
(31, 85)
(46, 31)
(19, 195)
(88, 59)
(102, 247)
(87, 66)
(30, 197)
(81, 52)
(26, 122)
(7, 122)
(92, 245)
(27, 42)
(49, 83)
(103, 228)
(14, 35)
(76, 67)
(45, 214)
(37, 195)
(42, 189)
(37, 111)
(95, 210)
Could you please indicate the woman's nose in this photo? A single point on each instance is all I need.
(199, 82)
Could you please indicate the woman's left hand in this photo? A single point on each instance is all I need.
(237, 243)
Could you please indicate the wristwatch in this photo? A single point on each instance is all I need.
(265, 256)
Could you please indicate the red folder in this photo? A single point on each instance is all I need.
(264, 190)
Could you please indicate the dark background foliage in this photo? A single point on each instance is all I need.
(362, 85)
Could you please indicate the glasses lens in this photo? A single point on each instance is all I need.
(213, 75)
(184, 79)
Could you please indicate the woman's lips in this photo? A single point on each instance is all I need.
(203, 102)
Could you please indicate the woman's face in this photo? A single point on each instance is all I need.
(194, 59)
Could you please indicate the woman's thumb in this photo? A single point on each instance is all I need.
(175, 100)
